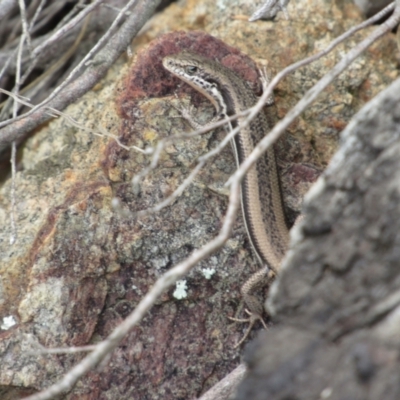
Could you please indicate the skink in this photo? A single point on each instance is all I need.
(260, 190)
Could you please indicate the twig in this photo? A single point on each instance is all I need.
(53, 68)
(224, 389)
(66, 56)
(7, 63)
(116, 9)
(171, 198)
(103, 60)
(13, 196)
(36, 15)
(32, 63)
(75, 10)
(156, 152)
(49, 13)
(55, 113)
(62, 350)
(66, 28)
(25, 25)
(18, 72)
(50, 41)
(270, 9)
(13, 228)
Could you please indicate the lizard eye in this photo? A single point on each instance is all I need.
(191, 69)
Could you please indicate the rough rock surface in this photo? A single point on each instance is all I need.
(337, 301)
(78, 267)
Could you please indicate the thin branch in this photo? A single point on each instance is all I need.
(66, 28)
(18, 72)
(55, 113)
(180, 189)
(74, 72)
(166, 202)
(65, 57)
(8, 62)
(116, 9)
(103, 60)
(13, 196)
(33, 61)
(224, 389)
(13, 160)
(270, 9)
(25, 101)
(36, 15)
(156, 151)
(62, 350)
(25, 25)
(50, 12)
(75, 10)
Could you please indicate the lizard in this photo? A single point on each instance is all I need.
(261, 198)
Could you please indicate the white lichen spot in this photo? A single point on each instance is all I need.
(326, 393)
(214, 260)
(180, 291)
(161, 262)
(115, 203)
(208, 272)
(8, 322)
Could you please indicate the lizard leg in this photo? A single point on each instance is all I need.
(265, 81)
(254, 306)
